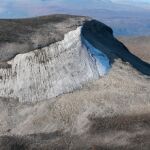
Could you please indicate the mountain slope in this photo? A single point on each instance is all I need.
(101, 37)
(24, 35)
(83, 90)
(56, 62)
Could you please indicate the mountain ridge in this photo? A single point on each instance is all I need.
(83, 91)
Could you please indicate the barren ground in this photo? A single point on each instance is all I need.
(140, 46)
(111, 113)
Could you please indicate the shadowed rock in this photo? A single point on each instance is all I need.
(101, 37)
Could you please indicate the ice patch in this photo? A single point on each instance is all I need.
(102, 61)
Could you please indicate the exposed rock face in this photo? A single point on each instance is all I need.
(62, 53)
(53, 70)
(109, 113)
(101, 37)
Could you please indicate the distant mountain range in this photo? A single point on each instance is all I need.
(126, 17)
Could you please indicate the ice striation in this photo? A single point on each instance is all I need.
(53, 70)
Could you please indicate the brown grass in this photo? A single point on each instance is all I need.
(140, 46)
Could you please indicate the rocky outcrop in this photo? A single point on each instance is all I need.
(59, 55)
(53, 70)
(101, 37)
(109, 113)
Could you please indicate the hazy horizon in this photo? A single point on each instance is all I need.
(126, 17)
(27, 8)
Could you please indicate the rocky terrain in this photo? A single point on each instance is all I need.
(25, 35)
(81, 90)
(57, 68)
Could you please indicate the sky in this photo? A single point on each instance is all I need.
(126, 17)
(30, 8)
(132, 1)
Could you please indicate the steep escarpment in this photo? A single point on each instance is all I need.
(62, 53)
(53, 70)
(111, 112)
(101, 37)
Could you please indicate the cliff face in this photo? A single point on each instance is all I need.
(101, 37)
(19, 36)
(112, 111)
(53, 70)
(62, 53)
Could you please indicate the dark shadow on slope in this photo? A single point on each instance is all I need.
(41, 141)
(127, 123)
(101, 37)
(137, 128)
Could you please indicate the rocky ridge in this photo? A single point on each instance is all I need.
(58, 68)
(50, 71)
(110, 113)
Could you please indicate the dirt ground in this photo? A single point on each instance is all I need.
(140, 46)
